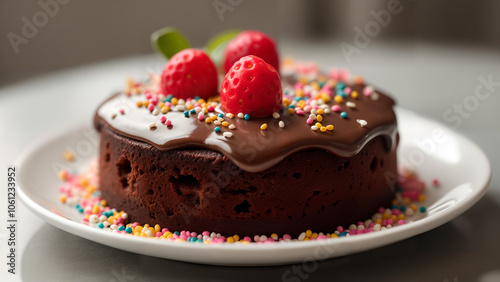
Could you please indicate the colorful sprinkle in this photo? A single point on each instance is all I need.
(165, 109)
(102, 217)
(310, 99)
(362, 122)
(367, 91)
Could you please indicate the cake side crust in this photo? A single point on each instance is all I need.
(200, 189)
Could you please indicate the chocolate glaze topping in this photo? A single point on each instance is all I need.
(250, 148)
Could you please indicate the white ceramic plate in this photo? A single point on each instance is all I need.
(432, 150)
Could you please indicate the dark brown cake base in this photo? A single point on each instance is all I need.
(198, 189)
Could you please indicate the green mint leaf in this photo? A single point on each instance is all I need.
(168, 41)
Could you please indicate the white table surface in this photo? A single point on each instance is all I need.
(427, 79)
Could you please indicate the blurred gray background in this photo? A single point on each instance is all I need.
(432, 58)
(67, 33)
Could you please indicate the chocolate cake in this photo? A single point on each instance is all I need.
(290, 176)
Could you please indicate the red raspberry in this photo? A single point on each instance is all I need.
(251, 43)
(189, 73)
(252, 87)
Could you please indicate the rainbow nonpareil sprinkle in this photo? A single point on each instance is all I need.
(314, 97)
(323, 102)
(82, 193)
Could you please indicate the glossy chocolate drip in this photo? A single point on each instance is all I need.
(250, 148)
